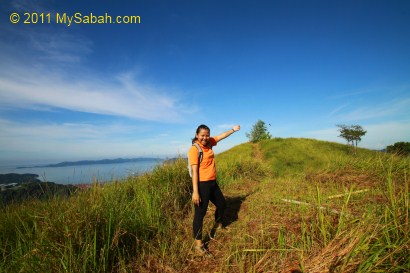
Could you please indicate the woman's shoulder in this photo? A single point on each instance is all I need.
(193, 151)
(194, 146)
(213, 141)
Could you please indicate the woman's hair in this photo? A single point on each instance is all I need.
(200, 127)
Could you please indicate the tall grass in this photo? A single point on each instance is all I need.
(143, 224)
(138, 224)
(366, 232)
(98, 229)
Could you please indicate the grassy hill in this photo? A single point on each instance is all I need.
(294, 205)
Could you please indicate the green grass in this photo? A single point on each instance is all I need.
(143, 224)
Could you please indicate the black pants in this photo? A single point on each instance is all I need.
(208, 191)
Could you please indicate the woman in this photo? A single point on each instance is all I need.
(205, 187)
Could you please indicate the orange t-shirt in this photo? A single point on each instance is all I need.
(207, 170)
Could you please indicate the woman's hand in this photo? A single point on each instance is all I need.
(236, 128)
(196, 199)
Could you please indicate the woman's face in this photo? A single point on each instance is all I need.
(203, 136)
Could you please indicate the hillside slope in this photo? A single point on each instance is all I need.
(318, 208)
(294, 205)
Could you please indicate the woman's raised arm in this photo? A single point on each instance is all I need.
(228, 133)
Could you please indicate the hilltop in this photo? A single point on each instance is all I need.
(294, 205)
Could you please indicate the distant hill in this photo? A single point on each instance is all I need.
(16, 188)
(18, 178)
(95, 162)
(170, 160)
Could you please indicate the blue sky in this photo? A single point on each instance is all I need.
(91, 91)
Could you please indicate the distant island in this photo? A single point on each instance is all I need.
(95, 162)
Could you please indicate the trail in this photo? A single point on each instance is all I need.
(239, 222)
(255, 222)
(285, 222)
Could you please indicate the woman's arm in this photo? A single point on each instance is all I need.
(195, 180)
(228, 133)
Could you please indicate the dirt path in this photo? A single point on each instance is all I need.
(267, 234)
(257, 154)
(225, 241)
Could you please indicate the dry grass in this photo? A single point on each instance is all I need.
(146, 223)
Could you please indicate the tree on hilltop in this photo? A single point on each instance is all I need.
(259, 132)
(353, 133)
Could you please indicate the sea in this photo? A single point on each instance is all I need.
(85, 174)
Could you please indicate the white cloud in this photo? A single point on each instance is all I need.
(60, 47)
(378, 136)
(26, 6)
(46, 46)
(225, 126)
(353, 93)
(47, 69)
(78, 141)
(387, 109)
(337, 110)
(330, 134)
(118, 97)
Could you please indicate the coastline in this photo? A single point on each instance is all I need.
(87, 173)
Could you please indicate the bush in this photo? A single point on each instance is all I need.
(400, 148)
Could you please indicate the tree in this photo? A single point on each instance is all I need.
(400, 148)
(357, 132)
(353, 133)
(259, 132)
(345, 132)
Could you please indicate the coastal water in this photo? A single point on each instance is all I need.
(85, 174)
